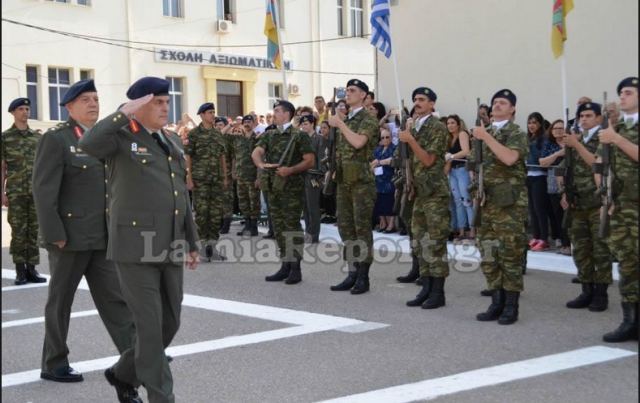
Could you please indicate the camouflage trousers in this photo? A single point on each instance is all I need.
(502, 242)
(590, 253)
(248, 199)
(623, 243)
(208, 200)
(430, 226)
(227, 199)
(23, 220)
(354, 203)
(285, 209)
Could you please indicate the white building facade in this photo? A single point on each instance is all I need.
(210, 51)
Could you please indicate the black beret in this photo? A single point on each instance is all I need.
(148, 85)
(628, 82)
(307, 118)
(76, 89)
(248, 117)
(590, 106)
(428, 92)
(358, 83)
(206, 107)
(286, 105)
(506, 94)
(221, 119)
(18, 102)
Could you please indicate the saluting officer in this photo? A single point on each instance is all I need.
(18, 150)
(69, 188)
(502, 232)
(356, 190)
(151, 229)
(246, 175)
(429, 141)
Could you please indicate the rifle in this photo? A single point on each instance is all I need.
(605, 190)
(568, 177)
(329, 188)
(478, 168)
(406, 167)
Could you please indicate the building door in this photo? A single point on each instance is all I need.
(229, 98)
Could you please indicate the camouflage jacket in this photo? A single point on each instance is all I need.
(205, 148)
(625, 170)
(584, 187)
(18, 152)
(434, 139)
(244, 167)
(353, 164)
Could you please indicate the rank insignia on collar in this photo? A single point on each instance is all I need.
(134, 147)
(135, 128)
(78, 132)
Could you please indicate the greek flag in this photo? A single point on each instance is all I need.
(380, 32)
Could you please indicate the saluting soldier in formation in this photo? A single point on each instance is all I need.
(356, 191)
(502, 237)
(429, 141)
(623, 233)
(19, 144)
(246, 175)
(69, 188)
(590, 252)
(284, 154)
(152, 234)
(207, 176)
(313, 180)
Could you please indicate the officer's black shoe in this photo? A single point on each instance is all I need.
(600, 300)
(295, 275)
(495, 309)
(62, 374)
(21, 274)
(281, 274)
(486, 293)
(575, 280)
(348, 282)
(208, 252)
(226, 223)
(253, 228)
(510, 311)
(126, 392)
(628, 329)
(423, 294)
(436, 296)
(362, 280)
(33, 276)
(584, 299)
(413, 274)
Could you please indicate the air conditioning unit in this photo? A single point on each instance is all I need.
(294, 89)
(223, 26)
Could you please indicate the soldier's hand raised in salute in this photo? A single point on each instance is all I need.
(132, 106)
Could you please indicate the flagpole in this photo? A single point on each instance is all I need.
(563, 77)
(395, 67)
(285, 89)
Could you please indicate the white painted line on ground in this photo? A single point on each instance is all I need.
(362, 327)
(31, 321)
(433, 388)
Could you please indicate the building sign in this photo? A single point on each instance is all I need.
(217, 59)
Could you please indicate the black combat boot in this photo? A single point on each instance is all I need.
(436, 296)
(33, 276)
(584, 299)
(362, 280)
(295, 275)
(21, 274)
(413, 274)
(423, 294)
(253, 228)
(486, 293)
(281, 274)
(600, 300)
(510, 311)
(420, 281)
(246, 229)
(226, 223)
(348, 282)
(628, 329)
(495, 309)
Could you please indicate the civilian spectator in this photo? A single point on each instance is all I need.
(537, 185)
(459, 176)
(383, 171)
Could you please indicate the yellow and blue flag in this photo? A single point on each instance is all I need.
(271, 31)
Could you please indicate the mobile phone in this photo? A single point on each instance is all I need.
(341, 92)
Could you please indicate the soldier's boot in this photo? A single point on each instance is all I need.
(436, 297)
(247, 227)
(510, 311)
(584, 299)
(33, 276)
(628, 329)
(226, 223)
(413, 274)
(423, 294)
(21, 274)
(295, 275)
(600, 300)
(486, 293)
(495, 309)
(214, 254)
(362, 280)
(253, 228)
(420, 281)
(348, 282)
(281, 274)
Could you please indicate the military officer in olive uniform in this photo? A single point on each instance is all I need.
(69, 188)
(207, 176)
(502, 237)
(283, 154)
(313, 180)
(152, 235)
(590, 252)
(429, 141)
(356, 191)
(246, 176)
(623, 226)
(18, 150)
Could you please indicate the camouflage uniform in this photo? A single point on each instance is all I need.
(18, 152)
(246, 175)
(205, 150)
(227, 141)
(406, 213)
(313, 188)
(285, 195)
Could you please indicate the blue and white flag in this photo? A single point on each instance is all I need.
(380, 32)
